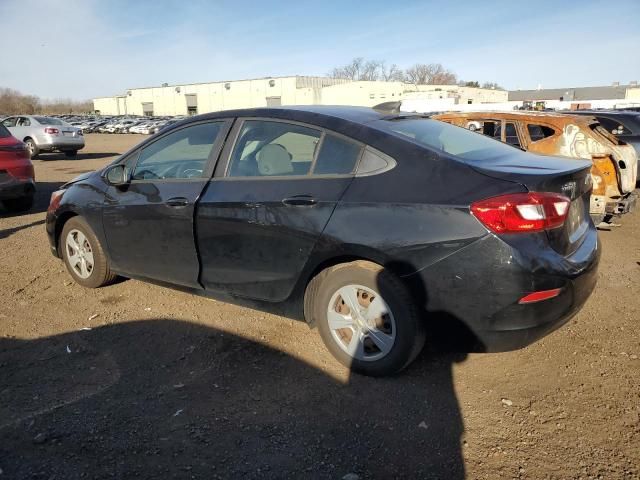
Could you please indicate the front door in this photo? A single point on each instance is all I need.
(149, 223)
(260, 218)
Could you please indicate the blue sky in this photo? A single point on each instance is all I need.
(86, 48)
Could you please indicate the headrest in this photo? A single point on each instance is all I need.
(273, 159)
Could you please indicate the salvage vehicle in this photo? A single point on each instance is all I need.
(624, 125)
(375, 228)
(615, 165)
(45, 134)
(17, 178)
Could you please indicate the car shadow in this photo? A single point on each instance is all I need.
(40, 203)
(159, 398)
(7, 232)
(79, 156)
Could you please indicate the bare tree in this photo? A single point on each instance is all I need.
(430, 74)
(351, 71)
(492, 85)
(13, 102)
(392, 73)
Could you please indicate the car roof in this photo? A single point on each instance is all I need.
(305, 113)
(606, 112)
(553, 117)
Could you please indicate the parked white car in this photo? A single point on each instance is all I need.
(45, 134)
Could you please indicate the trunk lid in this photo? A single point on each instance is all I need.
(569, 177)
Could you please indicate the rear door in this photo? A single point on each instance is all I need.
(149, 222)
(263, 212)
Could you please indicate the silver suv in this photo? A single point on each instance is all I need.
(45, 134)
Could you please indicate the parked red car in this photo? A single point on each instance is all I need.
(17, 178)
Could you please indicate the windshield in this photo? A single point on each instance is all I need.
(446, 138)
(4, 133)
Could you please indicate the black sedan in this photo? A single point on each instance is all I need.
(377, 228)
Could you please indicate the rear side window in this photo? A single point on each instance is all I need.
(492, 128)
(511, 135)
(4, 133)
(539, 132)
(272, 149)
(613, 126)
(337, 156)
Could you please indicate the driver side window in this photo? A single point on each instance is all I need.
(180, 154)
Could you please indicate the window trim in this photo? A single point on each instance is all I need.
(211, 162)
(222, 169)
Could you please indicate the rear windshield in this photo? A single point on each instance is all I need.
(446, 138)
(596, 127)
(4, 133)
(49, 121)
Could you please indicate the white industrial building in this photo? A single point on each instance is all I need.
(196, 98)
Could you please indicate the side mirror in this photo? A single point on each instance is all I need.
(117, 175)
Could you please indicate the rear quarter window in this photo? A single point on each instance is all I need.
(539, 132)
(337, 156)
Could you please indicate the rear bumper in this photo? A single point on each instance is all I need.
(61, 143)
(625, 205)
(522, 325)
(471, 297)
(11, 187)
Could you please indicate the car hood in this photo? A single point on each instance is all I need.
(79, 178)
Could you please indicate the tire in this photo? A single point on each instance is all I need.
(71, 153)
(32, 147)
(400, 330)
(75, 232)
(21, 204)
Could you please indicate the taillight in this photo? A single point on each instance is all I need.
(15, 148)
(56, 197)
(51, 131)
(522, 212)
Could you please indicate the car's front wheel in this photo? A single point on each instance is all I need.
(367, 317)
(83, 255)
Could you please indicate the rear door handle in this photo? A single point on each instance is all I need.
(300, 201)
(177, 202)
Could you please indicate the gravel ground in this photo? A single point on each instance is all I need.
(135, 380)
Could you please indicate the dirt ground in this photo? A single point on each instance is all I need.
(138, 381)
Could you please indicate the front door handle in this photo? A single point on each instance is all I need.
(300, 201)
(177, 202)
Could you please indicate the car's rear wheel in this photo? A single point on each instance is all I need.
(21, 204)
(71, 153)
(366, 317)
(32, 148)
(83, 255)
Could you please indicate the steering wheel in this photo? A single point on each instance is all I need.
(192, 173)
(146, 174)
